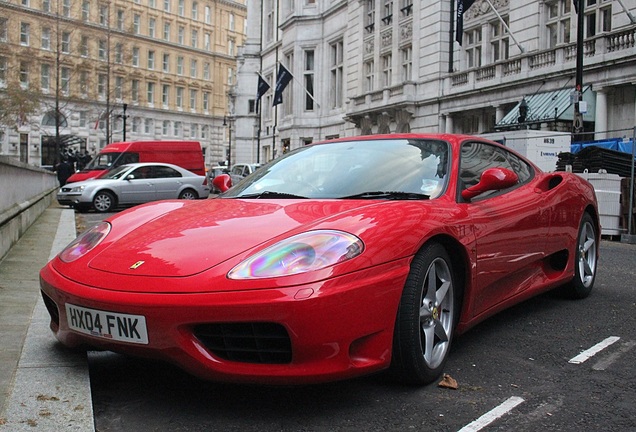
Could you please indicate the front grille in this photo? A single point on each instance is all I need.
(264, 343)
(52, 308)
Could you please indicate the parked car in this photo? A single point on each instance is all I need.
(134, 184)
(337, 259)
(241, 170)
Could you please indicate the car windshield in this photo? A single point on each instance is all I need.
(371, 169)
(116, 173)
(102, 161)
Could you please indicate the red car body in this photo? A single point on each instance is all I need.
(169, 263)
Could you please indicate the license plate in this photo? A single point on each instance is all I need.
(107, 325)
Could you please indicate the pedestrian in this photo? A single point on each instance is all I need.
(64, 170)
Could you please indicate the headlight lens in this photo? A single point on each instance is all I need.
(78, 189)
(85, 242)
(301, 253)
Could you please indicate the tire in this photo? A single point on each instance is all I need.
(585, 260)
(426, 318)
(188, 194)
(104, 201)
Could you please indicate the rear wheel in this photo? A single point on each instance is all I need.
(585, 260)
(188, 194)
(426, 318)
(104, 201)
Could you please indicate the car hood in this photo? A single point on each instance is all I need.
(194, 238)
(190, 246)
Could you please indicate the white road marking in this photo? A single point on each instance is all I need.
(492, 415)
(588, 353)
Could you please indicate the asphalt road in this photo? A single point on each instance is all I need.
(514, 372)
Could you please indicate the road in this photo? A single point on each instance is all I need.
(516, 365)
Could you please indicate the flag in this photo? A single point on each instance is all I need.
(262, 89)
(282, 79)
(576, 5)
(462, 6)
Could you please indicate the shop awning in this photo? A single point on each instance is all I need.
(549, 106)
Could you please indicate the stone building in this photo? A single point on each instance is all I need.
(108, 71)
(387, 66)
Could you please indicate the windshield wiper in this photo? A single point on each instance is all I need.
(270, 194)
(388, 195)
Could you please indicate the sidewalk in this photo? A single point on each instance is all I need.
(43, 387)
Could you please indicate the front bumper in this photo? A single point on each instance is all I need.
(334, 329)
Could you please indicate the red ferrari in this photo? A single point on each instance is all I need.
(337, 259)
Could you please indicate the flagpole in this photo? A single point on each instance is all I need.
(301, 85)
(506, 26)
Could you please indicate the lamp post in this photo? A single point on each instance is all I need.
(228, 122)
(124, 117)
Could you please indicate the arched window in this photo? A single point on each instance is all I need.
(49, 119)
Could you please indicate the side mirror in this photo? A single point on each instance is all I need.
(130, 177)
(222, 182)
(492, 179)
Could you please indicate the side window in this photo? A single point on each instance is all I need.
(142, 172)
(477, 157)
(164, 172)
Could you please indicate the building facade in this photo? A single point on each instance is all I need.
(117, 70)
(388, 66)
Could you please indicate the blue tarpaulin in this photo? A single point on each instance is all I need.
(617, 144)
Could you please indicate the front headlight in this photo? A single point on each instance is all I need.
(313, 250)
(85, 242)
(78, 189)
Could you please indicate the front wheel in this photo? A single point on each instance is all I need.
(188, 194)
(104, 201)
(426, 318)
(585, 260)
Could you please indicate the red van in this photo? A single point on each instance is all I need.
(186, 154)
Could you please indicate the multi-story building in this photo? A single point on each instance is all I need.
(386, 66)
(106, 71)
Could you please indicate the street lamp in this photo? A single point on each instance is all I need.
(228, 122)
(124, 117)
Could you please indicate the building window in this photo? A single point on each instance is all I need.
(558, 22)
(179, 99)
(193, 68)
(103, 15)
(232, 21)
(166, 63)
(369, 75)
(134, 91)
(136, 23)
(3, 71)
(181, 35)
(598, 17)
(66, 42)
(83, 83)
(207, 41)
(166, 5)
(499, 40)
(208, 15)
(120, 19)
(45, 77)
(25, 31)
(45, 43)
(337, 74)
(24, 75)
(119, 88)
(180, 61)
(206, 71)
(407, 63)
(194, 39)
(206, 101)
(101, 50)
(86, 11)
(308, 78)
(165, 95)
(152, 24)
(148, 126)
(387, 70)
(230, 76)
(150, 93)
(65, 80)
(406, 7)
(181, 8)
(46, 5)
(135, 56)
(387, 17)
(195, 11)
(119, 53)
(151, 60)
(66, 8)
(166, 31)
(3, 29)
(165, 127)
(178, 129)
(101, 86)
(369, 11)
(231, 43)
(472, 39)
(84, 46)
(193, 100)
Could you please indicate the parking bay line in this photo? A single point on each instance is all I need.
(588, 353)
(604, 364)
(492, 415)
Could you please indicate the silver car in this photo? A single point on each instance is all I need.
(134, 184)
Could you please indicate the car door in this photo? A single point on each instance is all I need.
(137, 187)
(168, 182)
(510, 226)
